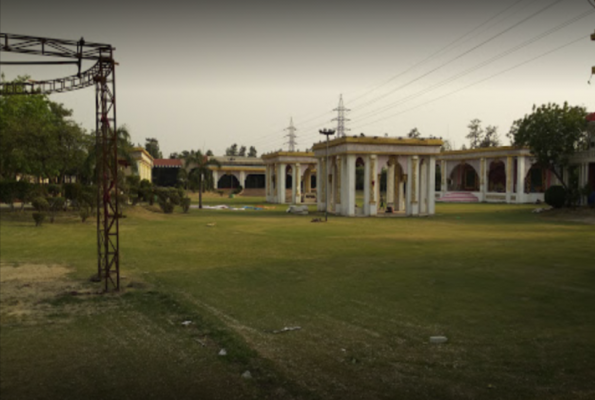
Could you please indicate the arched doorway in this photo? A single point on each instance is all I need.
(535, 181)
(497, 177)
(228, 181)
(255, 181)
(289, 177)
(464, 178)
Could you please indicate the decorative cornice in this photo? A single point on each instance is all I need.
(276, 154)
(378, 140)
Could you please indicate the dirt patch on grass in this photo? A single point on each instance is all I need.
(578, 214)
(27, 291)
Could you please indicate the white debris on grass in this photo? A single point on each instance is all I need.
(438, 339)
(223, 352)
(186, 323)
(299, 210)
(541, 209)
(288, 329)
(247, 375)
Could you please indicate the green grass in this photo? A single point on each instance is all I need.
(512, 291)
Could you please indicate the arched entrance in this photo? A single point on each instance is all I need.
(535, 181)
(255, 181)
(464, 178)
(228, 181)
(497, 177)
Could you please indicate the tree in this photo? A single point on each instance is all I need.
(152, 147)
(446, 146)
(232, 150)
(209, 153)
(414, 133)
(201, 175)
(553, 133)
(242, 152)
(39, 139)
(252, 152)
(490, 137)
(125, 147)
(475, 134)
(478, 138)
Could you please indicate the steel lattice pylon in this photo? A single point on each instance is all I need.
(103, 76)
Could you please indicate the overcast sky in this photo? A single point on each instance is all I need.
(205, 75)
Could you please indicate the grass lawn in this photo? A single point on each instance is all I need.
(513, 292)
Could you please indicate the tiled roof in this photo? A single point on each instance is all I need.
(167, 163)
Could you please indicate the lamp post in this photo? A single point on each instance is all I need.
(327, 133)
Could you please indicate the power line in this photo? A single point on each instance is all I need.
(582, 37)
(480, 65)
(462, 54)
(442, 50)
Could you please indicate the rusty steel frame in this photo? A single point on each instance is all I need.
(102, 75)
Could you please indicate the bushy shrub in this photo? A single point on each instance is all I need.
(555, 196)
(72, 191)
(84, 213)
(56, 203)
(40, 204)
(53, 189)
(181, 193)
(174, 196)
(166, 207)
(147, 195)
(38, 217)
(185, 203)
(238, 190)
(88, 197)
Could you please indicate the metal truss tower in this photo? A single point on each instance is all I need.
(341, 118)
(102, 75)
(291, 135)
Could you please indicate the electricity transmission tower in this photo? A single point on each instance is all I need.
(291, 135)
(341, 118)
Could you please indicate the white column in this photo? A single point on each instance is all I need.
(509, 180)
(444, 176)
(298, 186)
(432, 189)
(413, 186)
(348, 185)
(374, 184)
(296, 181)
(216, 179)
(368, 189)
(243, 179)
(423, 187)
(281, 183)
(398, 200)
(266, 182)
(520, 180)
(320, 188)
(335, 184)
(390, 185)
(483, 179)
(274, 182)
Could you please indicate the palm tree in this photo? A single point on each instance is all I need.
(201, 173)
(124, 149)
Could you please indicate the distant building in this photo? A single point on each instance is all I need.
(144, 163)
